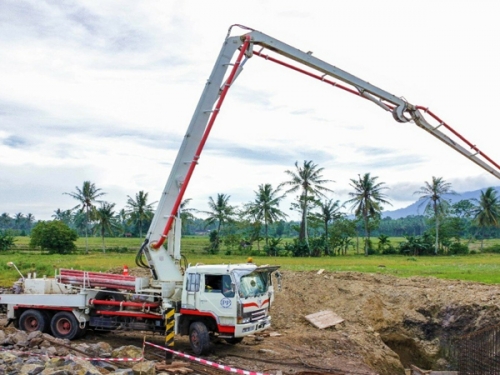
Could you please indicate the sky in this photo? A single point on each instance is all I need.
(104, 91)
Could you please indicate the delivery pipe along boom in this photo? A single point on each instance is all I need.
(399, 111)
(245, 46)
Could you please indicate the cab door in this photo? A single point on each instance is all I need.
(217, 295)
(191, 291)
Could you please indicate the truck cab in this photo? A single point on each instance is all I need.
(230, 301)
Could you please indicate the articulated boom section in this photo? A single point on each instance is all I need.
(227, 67)
(401, 110)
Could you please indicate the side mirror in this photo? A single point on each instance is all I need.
(277, 274)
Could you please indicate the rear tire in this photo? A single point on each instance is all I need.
(34, 320)
(65, 326)
(199, 338)
(81, 331)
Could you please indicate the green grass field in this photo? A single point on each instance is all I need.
(479, 267)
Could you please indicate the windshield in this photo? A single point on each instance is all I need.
(254, 284)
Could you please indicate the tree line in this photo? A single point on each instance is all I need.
(327, 226)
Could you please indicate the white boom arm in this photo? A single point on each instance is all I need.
(164, 263)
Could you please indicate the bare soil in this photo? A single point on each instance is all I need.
(390, 323)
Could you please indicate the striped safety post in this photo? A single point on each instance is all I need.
(169, 333)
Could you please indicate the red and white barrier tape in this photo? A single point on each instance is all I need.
(206, 362)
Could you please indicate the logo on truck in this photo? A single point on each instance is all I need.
(225, 303)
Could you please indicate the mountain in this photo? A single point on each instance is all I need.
(414, 209)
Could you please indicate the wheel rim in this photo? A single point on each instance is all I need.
(195, 340)
(32, 324)
(63, 326)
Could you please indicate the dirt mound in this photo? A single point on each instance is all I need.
(390, 322)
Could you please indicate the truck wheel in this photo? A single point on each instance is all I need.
(81, 332)
(65, 326)
(199, 338)
(234, 340)
(33, 320)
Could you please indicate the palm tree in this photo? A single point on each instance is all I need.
(121, 218)
(329, 211)
(220, 211)
(105, 217)
(87, 196)
(432, 194)
(185, 213)
(64, 216)
(309, 181)
(5, 220)
(79, 222)
(265, 207)
(18, 219)
(487, 213)
(139, 210)
(366, 201)
(58, 214)
(30, 219)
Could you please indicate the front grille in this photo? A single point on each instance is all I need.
(257, 315)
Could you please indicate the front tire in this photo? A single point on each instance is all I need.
(199, 338)
(65, 326)
(33, 320)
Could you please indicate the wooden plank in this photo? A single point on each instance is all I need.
(324, 319)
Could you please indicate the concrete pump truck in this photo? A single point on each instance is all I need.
(202, 301)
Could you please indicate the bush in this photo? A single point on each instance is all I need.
(6, 241)
(492, 249)
(372, 251)
(298, 249)
(53, 236)
(284, 253)
(417, 245)
(457, 248)
(317, 246)
(389, 250)
(273, 247)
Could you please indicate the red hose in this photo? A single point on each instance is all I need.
(389, 105)
(215, 112)
(123, 303)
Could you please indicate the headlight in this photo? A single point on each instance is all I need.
(243, 320)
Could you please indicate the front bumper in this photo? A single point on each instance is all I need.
(242, 330)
